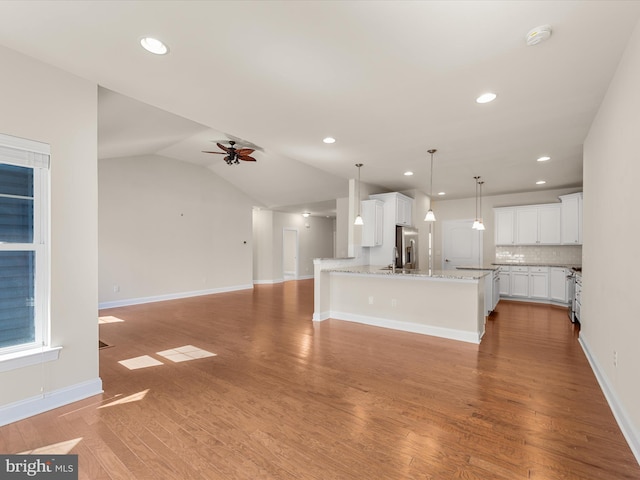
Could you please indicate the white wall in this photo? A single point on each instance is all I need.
(610, 313)
(48, 105)
(464, 209)
(263, 266)
(170, 228)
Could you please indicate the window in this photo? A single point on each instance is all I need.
(24, 262)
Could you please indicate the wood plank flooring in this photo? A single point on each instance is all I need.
(286, 399)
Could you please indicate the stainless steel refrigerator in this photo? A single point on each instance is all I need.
(407, 247)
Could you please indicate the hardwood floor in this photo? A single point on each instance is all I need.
(286, 399)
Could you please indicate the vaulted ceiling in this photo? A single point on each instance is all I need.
(388, 79)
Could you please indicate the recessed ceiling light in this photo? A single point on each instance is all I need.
(538, 34)
(329, 140)
(544, 159)
(154, 46)
(408, 173)
(486, 97)
(306, 214)
(541, 182)
(441, 193)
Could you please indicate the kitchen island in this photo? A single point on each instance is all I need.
(443, 303)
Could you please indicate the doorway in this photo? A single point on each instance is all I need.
(289, 254)
(461, 245)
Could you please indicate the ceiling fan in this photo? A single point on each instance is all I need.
(233, 155)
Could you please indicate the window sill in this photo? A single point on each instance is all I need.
(25, 358)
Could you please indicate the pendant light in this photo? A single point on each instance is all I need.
(476, 222)
(430, 217)
(359, 220)
(480, 224)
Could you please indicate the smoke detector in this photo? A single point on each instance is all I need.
(538, 34)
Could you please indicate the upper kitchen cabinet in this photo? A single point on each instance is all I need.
(396, 210)
(373, 227)
(528, 225)
(398, 206)
(404, 210)
(504, 225)
(571, 208)
(538, 225)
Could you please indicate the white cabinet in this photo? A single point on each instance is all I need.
(496, 290)
(526, 226)
(505, 281)
(398, 206)
(519, 281)
(538, 225)
(392, 204)
(539, 282)
(571, 219)
(535, 283)
(504, 226)
(404, 210)
(559, 285)
(373, 218)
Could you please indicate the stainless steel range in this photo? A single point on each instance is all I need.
(575, 294)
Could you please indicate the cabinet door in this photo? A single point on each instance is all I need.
(527, 225)
(549, 224)
(403, 211)
(504, 221)
(571, 221)
(372, 217)
(519, 284)
(539, 285)
(558, 285)
(505, 283)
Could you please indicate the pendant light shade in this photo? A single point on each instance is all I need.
(430, 216)
(358, 220)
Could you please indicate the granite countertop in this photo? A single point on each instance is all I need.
(384, 270)
(492, 267)
(538, 264)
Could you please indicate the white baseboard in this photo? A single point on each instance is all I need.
(631, 434)
(171, 296)
(268, 282)
(28, 407)
(441, 332)
(322, 316)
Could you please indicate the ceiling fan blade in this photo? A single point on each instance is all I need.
(217, 153)
(246, 158)
(245, 151)
(222, 147)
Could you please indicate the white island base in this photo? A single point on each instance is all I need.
(443, 304)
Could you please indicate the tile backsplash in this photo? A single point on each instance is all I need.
(570, 254)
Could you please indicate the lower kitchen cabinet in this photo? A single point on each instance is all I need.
(559, 284)
(539, 282)
(519, 281)
(505, 281)
(548, 284)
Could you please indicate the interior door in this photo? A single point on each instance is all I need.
(289, 254)
(461, 244)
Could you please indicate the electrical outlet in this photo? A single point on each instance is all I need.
(370, 300)
(615, 358)
(116, 288)
(394, 302)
